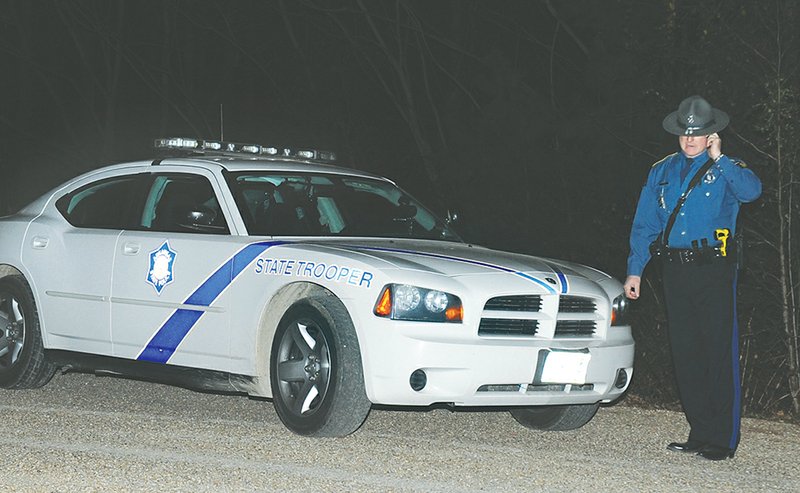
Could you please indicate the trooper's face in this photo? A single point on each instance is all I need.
(692, 145)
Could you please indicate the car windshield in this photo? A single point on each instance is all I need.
(296, 204)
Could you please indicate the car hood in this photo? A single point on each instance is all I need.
(454, 259)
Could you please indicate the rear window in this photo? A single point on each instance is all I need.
(105, 204)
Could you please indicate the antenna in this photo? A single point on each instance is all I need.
(221, 126)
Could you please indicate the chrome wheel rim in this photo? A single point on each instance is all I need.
(303, 367)
(12, 330)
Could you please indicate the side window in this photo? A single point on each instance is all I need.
(182, 203)
(105, 204)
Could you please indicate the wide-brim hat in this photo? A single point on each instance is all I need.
(695, 117)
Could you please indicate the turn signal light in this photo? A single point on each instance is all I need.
(384, 306)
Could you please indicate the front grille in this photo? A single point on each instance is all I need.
(508, 327)
(575, 328)
(550, 387)
(500, 388)
(519, 303)
(576, 304)
(531, 388)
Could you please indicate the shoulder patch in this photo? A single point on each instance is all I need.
(663, 159)
(738, 162)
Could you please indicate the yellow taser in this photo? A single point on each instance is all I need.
(722, 235)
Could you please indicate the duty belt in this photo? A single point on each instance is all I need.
(687, 255)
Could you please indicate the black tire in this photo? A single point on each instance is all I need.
(23, 364)
(555, 418)
(317, 378)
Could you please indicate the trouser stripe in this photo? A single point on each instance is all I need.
(737, 385)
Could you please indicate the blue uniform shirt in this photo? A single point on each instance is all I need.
(712, 204)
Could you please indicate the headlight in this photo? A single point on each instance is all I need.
(618, 308)
(406, 302)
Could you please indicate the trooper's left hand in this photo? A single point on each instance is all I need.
(714, 144)
(631, 287)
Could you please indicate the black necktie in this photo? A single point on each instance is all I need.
(685, 169)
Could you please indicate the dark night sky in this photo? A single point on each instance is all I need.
(410, 89)
(526, 116)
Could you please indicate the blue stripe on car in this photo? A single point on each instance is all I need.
(163, 344)
(466, 261)
(562, 279)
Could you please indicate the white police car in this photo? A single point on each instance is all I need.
(263, 271)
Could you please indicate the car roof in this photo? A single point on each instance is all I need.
(239, 164)
(235, 164)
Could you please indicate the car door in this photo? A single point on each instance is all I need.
(168, 299)
(69, 252)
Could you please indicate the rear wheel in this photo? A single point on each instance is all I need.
(22, 360)
(555, 418)
(317, 378)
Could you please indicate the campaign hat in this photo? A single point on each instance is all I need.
(695, 116)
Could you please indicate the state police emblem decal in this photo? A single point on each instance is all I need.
(162, 260)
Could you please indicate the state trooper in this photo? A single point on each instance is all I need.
(686, 217)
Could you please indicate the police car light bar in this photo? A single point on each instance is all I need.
(219, 147)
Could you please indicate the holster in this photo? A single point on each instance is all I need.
(657, 247)
(702, 251)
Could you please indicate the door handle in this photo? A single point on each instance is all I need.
(130, 248)
(40, 242)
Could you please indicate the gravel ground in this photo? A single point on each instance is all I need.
(83, 433)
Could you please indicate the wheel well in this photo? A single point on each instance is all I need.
(270, 317)
(7, 270)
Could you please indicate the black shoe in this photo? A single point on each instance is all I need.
(713, 452)
(689, 446)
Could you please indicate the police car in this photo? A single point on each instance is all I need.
(274, 273)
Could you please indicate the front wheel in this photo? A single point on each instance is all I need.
(317, 377)
(22, 360)
(555, 418)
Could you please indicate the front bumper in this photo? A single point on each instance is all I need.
(467, 370)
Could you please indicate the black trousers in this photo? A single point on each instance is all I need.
(703, 330)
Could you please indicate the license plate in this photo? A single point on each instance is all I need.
(565, 367)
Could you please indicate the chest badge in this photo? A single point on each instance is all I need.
(709, 177)
(162, 260)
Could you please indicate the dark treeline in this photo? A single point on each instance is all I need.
(536, 120)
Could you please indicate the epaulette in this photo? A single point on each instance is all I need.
(738, 162)
(663, 159)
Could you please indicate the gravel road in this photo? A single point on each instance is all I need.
(84, 433)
